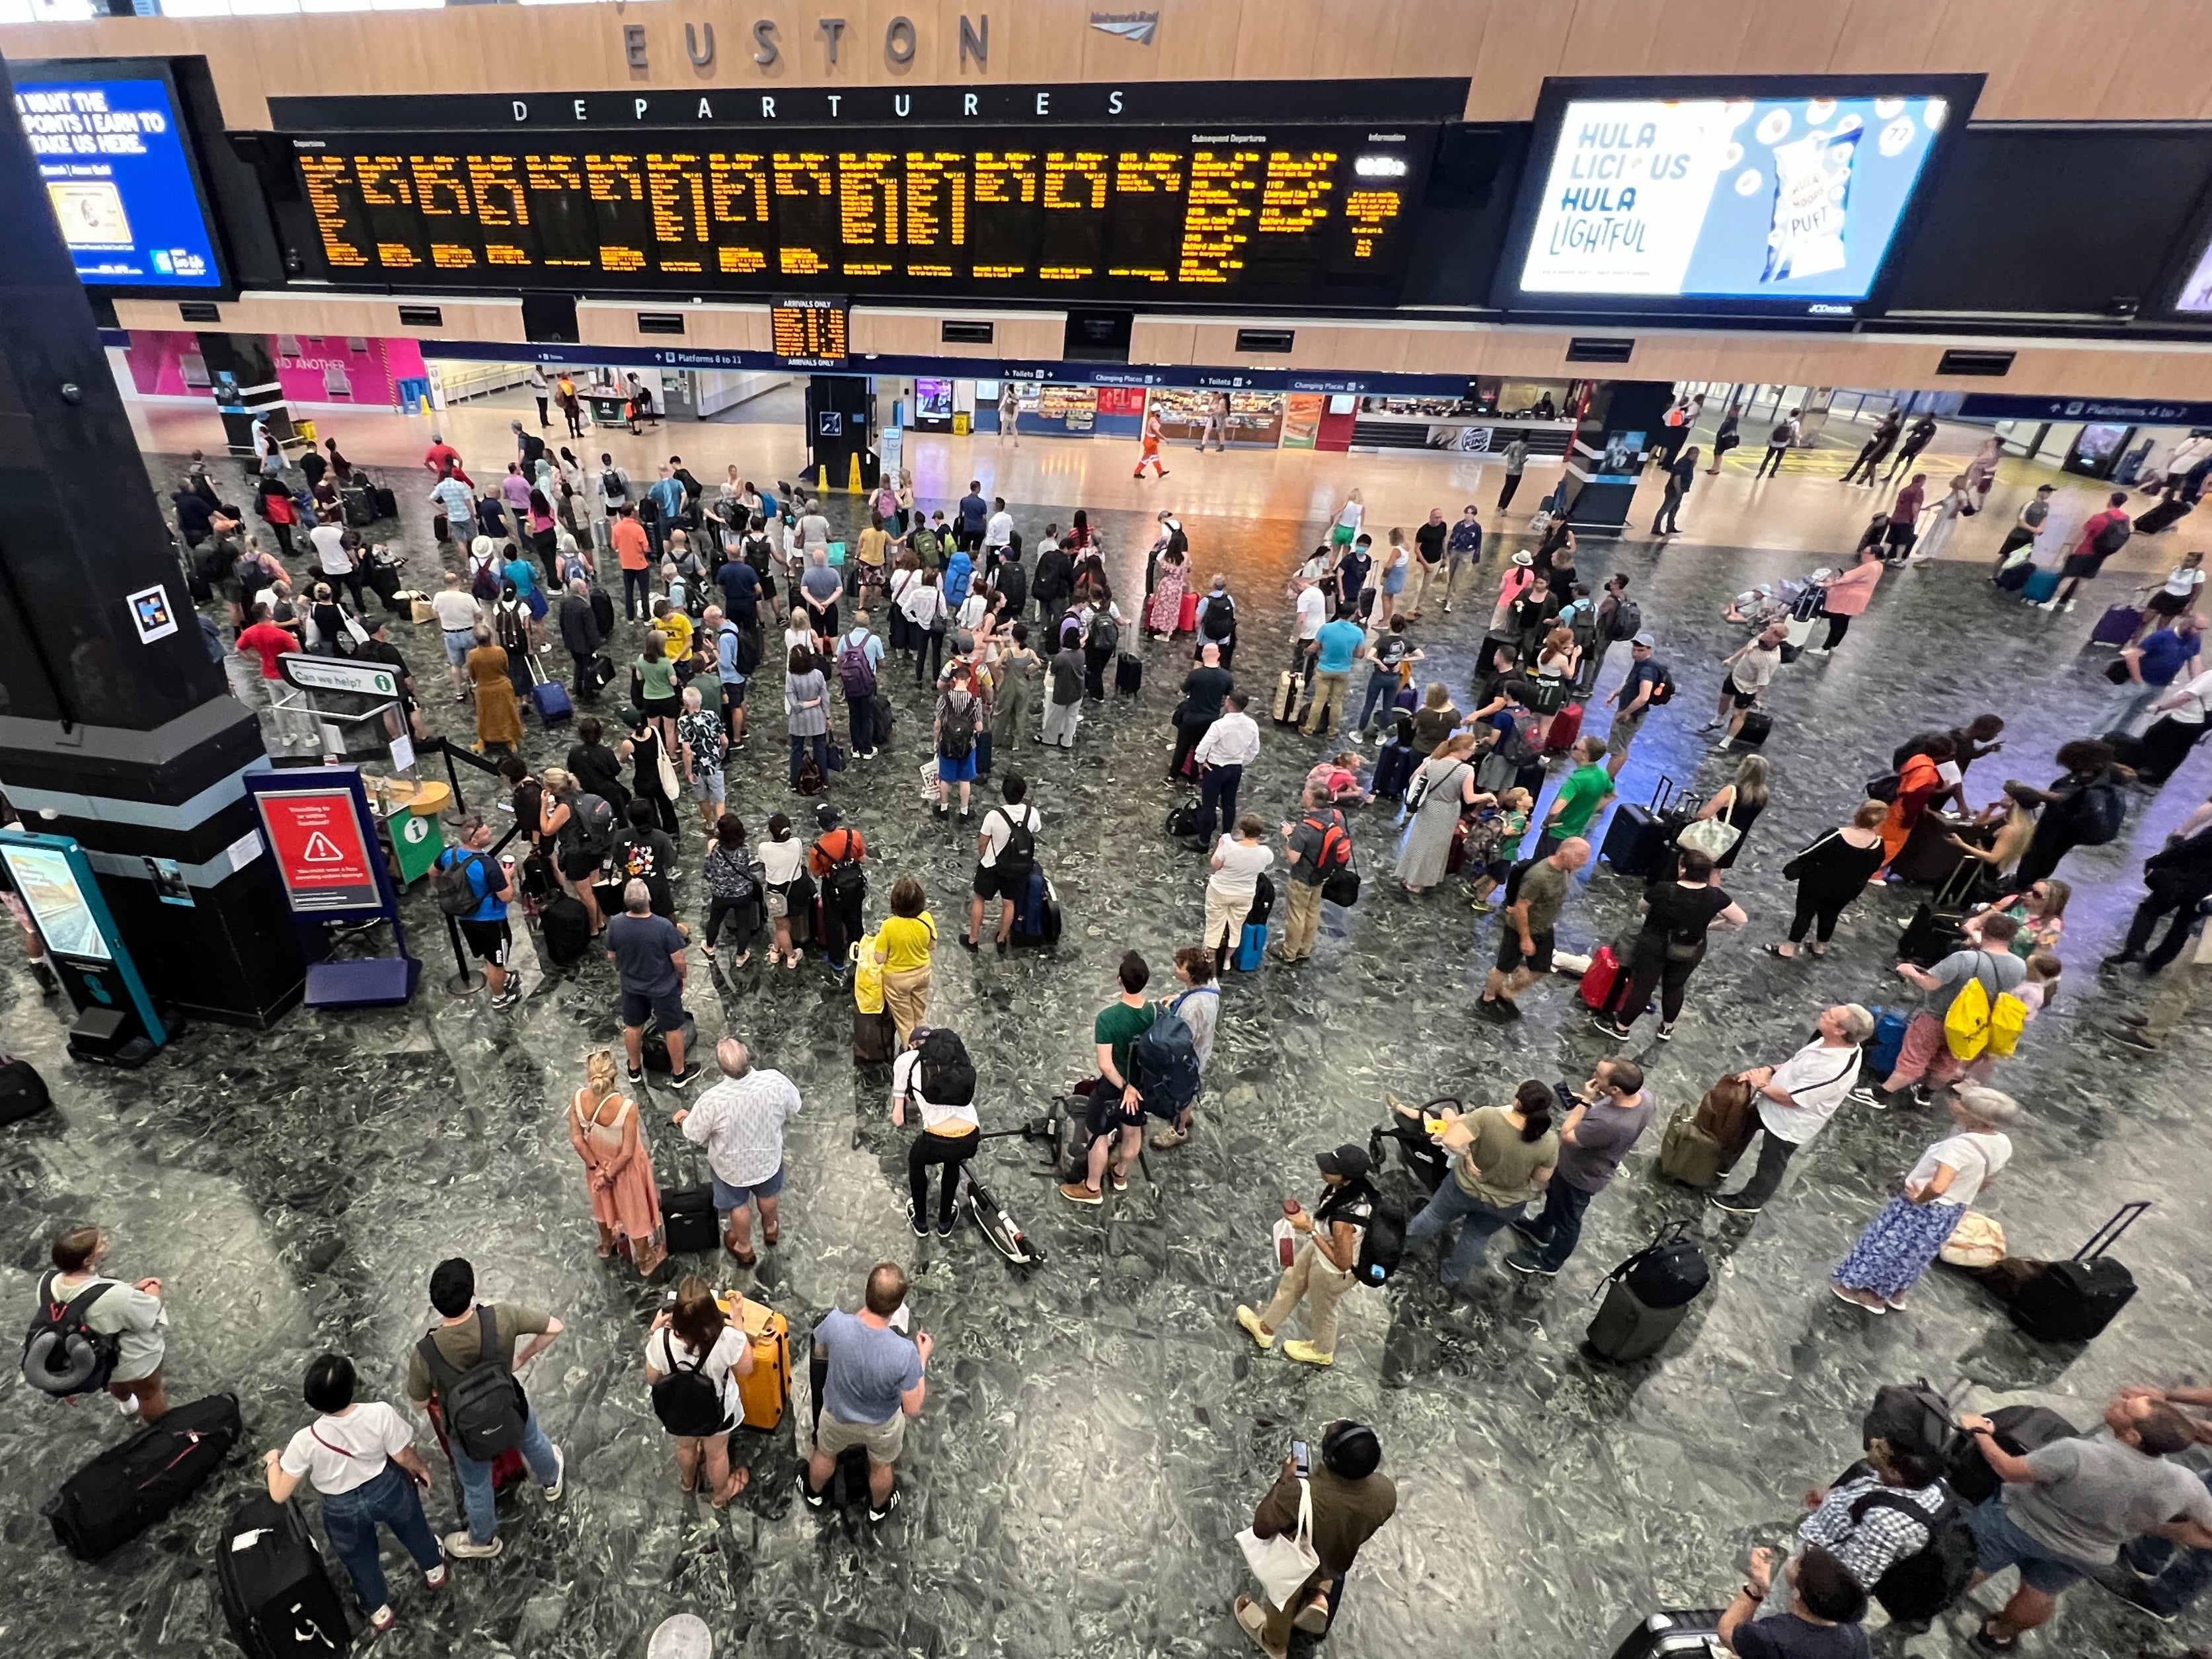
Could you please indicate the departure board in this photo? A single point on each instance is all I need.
(809, 333)
(1288, 213)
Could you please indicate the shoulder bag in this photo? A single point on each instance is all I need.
(1284, 1563)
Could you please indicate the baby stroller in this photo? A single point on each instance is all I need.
(1408, 1129)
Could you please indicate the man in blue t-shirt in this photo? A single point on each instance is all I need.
(485, 928)
(975, 517)
(872, 1383)
(1338, 645)
(2153, 663)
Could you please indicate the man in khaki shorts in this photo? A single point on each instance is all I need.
(873, 1383)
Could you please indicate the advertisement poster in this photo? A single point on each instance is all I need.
(2197, 292)
(1301, 419)
(113, 159)
(1739, 198)
(322, 851)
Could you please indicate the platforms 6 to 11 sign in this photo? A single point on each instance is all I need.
(1243, 211)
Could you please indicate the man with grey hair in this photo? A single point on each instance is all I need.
(741, 1122)
(648, 952)
(821, 587)
(579, 633)
(1797, 1098)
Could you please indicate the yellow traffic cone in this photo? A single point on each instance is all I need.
(822, 477)
(852, 474)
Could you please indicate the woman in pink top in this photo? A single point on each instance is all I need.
(1845, 596)
(603, 1129)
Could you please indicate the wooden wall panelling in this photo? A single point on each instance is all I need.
(1359, 40)
(1447, 38)
(1279, 42)
(705, 328)
(1773, 40)
(1616, 37)
(1161, 340)
(1513, 58)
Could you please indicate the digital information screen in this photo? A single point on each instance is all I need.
(1791, 202)
(1286, 211)
(2195, 295)
(809, 333)
(117, 170)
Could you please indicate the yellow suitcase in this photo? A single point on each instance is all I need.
(766, 1391)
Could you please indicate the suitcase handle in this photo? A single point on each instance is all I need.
(1661, 792)
(2109, 1235)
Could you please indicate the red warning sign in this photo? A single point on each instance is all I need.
(322, 849)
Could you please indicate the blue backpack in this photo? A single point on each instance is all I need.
(1163, 1064)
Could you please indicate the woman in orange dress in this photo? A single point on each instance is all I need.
(603, 1129)
(1918, 782)
(499, 717)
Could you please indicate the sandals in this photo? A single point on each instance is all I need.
(1776, 950)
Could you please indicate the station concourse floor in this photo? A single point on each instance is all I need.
(1096, 1429)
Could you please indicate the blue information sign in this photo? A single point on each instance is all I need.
(117, 170)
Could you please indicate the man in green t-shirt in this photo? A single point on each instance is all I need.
(1117, 1110)
(1582, 797)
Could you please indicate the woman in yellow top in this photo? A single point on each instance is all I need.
(907, 938)
(873, 550)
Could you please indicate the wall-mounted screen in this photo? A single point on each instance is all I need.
(117, 163)
(1724, 194)
(1312, 213)
(2195, 295)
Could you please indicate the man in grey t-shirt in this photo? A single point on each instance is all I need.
(1925, 1057)
(1595, 1137)
(872, 1383)
(2065, 1508)
(648, 951)
(823, 588)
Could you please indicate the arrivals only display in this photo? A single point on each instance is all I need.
(1312, 213)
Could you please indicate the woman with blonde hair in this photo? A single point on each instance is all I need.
(2015, 828)
(575, 856)
(602, 1127)
(2039, 910)
(1736, 806)
(695, 1341)
(906, 938)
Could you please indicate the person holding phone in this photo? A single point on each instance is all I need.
(360, 1457)
(1351, 1501)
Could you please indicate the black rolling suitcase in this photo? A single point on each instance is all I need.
(127, 1488)
(1937, 927)
(652, 1046)
(1647, 1296)
(359, 507)
(2074, 1300)
(688, 1213)
(1757, 727)
(1637, 839)
(1677, 1633)
(2164, 516)
(1628, 1328)
(1129, 674)
(276, 1594)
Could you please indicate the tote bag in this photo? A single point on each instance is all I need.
(1284, 1563)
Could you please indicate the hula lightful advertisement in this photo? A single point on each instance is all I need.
(1749, 198)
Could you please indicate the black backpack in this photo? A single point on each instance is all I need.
(1220, 619)
(62, 1356)
(2112, 538)
(612, 487)
(1105, 633)
(1917, 1587)
(686, 1401)
(956, 738)
(847, 884)
(1017, 858)
(484, 1405)
(947, 1076)
(1383, 1246)
(1627, 620)
(449, 885)
(592, 818)
(1911, 1416)
(1668, 1272)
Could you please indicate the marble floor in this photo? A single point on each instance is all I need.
(1096, 1430)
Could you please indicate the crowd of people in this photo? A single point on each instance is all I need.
(1501, 797)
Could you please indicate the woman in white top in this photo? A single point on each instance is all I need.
(1349, 517)
(2169, 599)
(783, 864)
(1937, 536)
(362, 1459)
(1230, 892)
(935, 1076)
(1901, 1242)
(692, 1337)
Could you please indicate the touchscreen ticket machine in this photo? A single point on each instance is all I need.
(117, 1023)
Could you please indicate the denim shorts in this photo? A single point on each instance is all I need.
(459, 642)
(729, 1198)
(705, 783)
(2000, 1544)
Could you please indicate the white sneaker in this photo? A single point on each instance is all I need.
(560, 1477)
(462, 1547)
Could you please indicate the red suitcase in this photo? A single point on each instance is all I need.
(1187, 618)
(1598, 978)
(1566, 727)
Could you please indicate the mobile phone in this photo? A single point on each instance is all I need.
(1299, 1456)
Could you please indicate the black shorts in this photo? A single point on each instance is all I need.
(488, 940)
(666, 708)
(2081, 566)
(1742, 699)
(1509, 957)
(580, 865)
(986, 883)
(667, 1013)
(1105, 1112)
(2163, 603)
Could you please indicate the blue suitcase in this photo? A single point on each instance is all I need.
(1636, 840)
(2041, 586)
(551, 698)
(1251, 945)
(1888, 1041)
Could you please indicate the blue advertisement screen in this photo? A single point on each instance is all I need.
(112, 155)
(1766, 198)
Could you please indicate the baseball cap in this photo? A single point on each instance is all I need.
(1643, 640)
(1347, 1160)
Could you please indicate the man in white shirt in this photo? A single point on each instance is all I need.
(996, 875)
(458, 613)
(1751, 669)
(1797, 1098)
(813, 530)
(741, 1122)
(1230, 745)
(1313, 611)
(998, 536)
(338, 553)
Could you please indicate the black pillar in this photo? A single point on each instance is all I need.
(1619, 429)
(129, 744)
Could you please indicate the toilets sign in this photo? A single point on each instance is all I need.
(323, 849)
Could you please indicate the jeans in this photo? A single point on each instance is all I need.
(476, 1478)
(1670, 506)
(1774, 1155)
(1217, 788)
(2166, 897)
(2183, 1572)
(821, 742)
(1559, 1229)
(1381, 688)
(638, 594)
(350, 1518)
(1478, 1221)
(951, 1151)
(2129, 702)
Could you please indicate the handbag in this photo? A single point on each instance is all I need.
(666, 772)
(1711, 837)
(1795, 870)
(1284, 1563)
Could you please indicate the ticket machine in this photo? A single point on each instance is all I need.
(117, 1023)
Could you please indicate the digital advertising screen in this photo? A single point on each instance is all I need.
(2194, 299)
(1724, 195)
(48, 887)
(117, 166)
(1284, 212)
